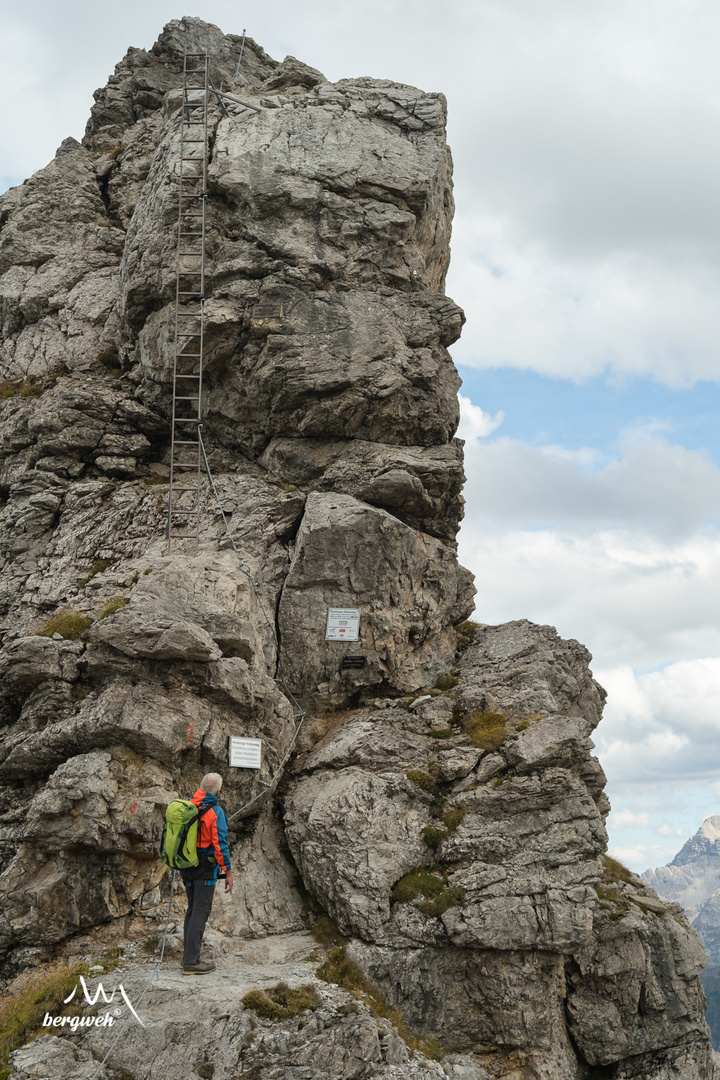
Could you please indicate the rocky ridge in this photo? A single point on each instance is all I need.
(443, 806)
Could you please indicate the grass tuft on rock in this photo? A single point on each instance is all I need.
(450, 897)
(454, 817)
(338, 968)
(434, 837)
(326, 932)
(446, 682)
(112, 606)
(69, 624)
(418, 882)
(424, 780)
(615, 870)
(109, 358)
(431, 884)
(486, 729)
(25, 388)
(465, 634)
(21, 1015)
(282, 1002)
(441, 733)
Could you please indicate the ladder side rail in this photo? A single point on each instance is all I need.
(177, 321)
(189, 176)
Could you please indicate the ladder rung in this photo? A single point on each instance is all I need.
(178, 375)
(185, 292)
(185, 465)
(185, 419)
(193, 140)
(196, 488)
(186, 442)
(184, 513)
(193, 397)
(183, 536)
(188, 354)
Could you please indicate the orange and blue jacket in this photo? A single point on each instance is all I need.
(213, 835)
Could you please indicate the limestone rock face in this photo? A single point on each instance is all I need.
(408, 586)
(329, 429)
(523, 948)
(456, 837)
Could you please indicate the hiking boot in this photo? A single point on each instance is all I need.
(197, 969)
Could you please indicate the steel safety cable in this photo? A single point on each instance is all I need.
(299, 712)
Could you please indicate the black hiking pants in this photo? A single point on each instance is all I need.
(200, 898)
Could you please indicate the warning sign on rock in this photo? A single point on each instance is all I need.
(245, 753)
(343, 624)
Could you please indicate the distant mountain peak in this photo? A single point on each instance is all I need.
(706, 841)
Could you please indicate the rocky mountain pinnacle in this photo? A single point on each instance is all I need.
(692, 879)
(423, 857)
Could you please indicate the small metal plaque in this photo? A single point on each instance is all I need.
(343, 624)
(245, 753)
(352, 662)
(267, 310)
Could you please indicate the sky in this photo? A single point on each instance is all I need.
(586, 254)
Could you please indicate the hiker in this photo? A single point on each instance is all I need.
(199, 881)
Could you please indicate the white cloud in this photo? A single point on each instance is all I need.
(625, 819)
(475, 423)
(631, 856)
(631, 598)
(666, 489)
(667, 728)
(624, 312)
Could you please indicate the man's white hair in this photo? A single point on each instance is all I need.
(211, 782)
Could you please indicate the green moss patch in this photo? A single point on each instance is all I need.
(447, 682)
(281, 1002)
(72, 625)
(441, 733)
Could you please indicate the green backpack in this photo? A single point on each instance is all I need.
(179, 845)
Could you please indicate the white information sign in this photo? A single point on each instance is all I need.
(343, 624)
(245, 753)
